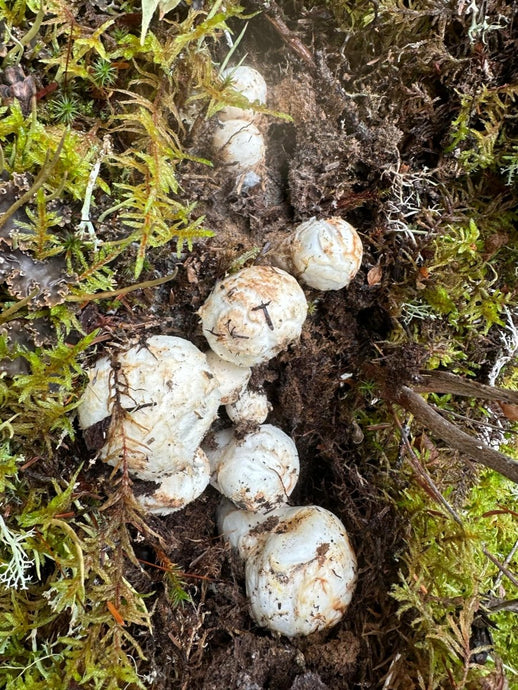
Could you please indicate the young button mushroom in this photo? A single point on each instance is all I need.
(251, 407)
(151, 406)
(238, 143)
(258, 472)
(238, 527)
(300, 569)
(301, 576)
(325, 254)
(253, 315)
(250, 84)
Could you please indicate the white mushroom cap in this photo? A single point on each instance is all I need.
(251, 406)
(238, 143)
(326, 254)
(253, 315)
(300, 575)
(257, 472)
(250, 83)
(179, 489)
(232, 379)
(169, 397)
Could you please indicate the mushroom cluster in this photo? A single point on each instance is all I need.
(300, 569)
(237, 141)
(150, 408)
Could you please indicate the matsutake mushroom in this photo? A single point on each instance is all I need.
(257, 472)
(150, 407)
(324, 254)
(253, 315)
(300, 568)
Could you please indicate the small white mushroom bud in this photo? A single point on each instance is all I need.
(325, 254)
(157, 400)
(249, 83)
(251, 406)
(238, 526)
(238, 143)
(300, 573)
(231, 378)
(178, 489)
(258, 472)
(253, 315)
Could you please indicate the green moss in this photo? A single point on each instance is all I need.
(446, 577)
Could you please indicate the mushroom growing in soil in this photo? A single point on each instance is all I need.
(253, 315)
(232, 379)
(300, 569)
(251, 407)
(257, 472)
(324, 254)
(250, 84)
(238, 143)
(176, 490)
(150, 407)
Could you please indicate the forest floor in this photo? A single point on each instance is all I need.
(399, 117)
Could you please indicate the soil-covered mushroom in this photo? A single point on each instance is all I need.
(253, 315)
(157, 400)
(300, 568)
(251, 407)
(324, 254)
(176, 490)
(257, 472)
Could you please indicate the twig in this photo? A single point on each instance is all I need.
(443, 382)
(288, 36)
(44, 173)
(460, 440)
(123, 291)
(426, 481)
(501, 567)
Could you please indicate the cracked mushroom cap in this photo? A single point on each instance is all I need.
(257, 472)
(250, 83)
(326, 254)
(253, 315)
(238, 143)
(167, 398)
(300, 568)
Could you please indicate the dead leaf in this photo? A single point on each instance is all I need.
(374, 275)
(510, 411)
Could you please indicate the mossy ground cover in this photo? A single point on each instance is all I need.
(115, 223)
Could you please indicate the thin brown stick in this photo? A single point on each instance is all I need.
(111, 294)
(288, 36)
(460, 440)
(46, 169)
(501, 567)
(443, 382)
(423, 477)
